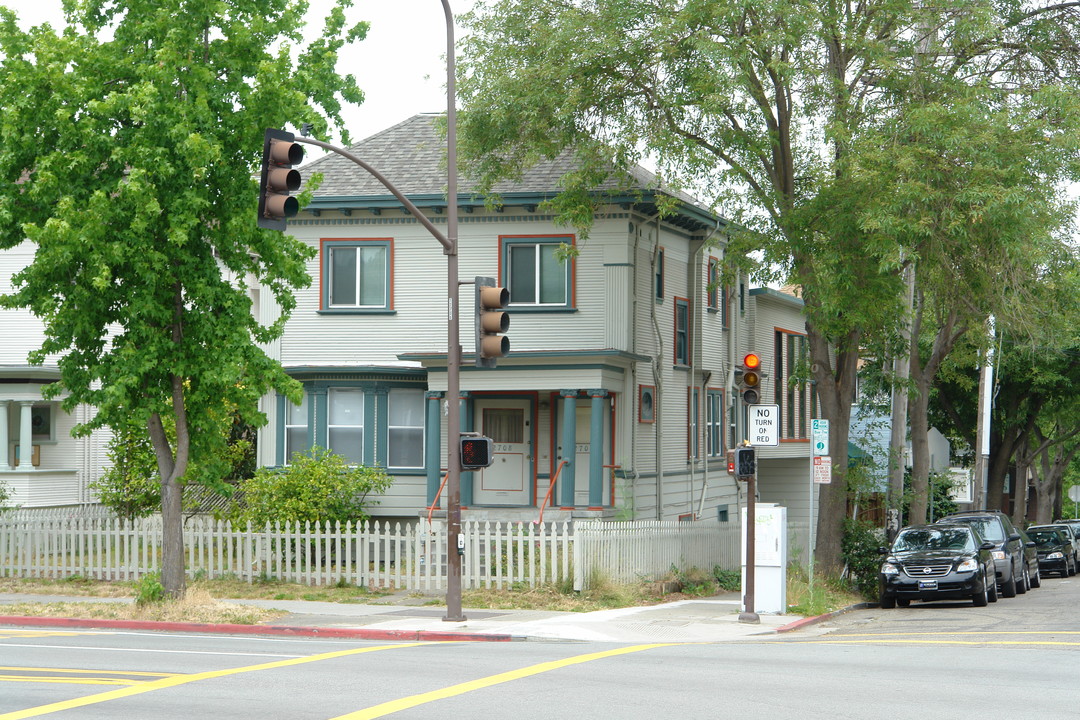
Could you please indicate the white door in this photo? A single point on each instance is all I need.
(509, 479)
(583, 453)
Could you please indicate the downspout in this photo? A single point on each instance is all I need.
(699, 345)
(633, 473)
(658, 379)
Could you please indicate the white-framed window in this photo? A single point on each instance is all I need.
(405, 428)
(535, 276)
(356, 275)
(714, 422)
(345, 423)
(296, 428)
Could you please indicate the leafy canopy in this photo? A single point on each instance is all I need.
(127, 148)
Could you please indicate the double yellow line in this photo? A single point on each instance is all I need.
(373, 712)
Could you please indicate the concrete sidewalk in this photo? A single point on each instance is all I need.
(713, 619)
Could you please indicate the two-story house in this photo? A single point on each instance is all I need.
(616, 398)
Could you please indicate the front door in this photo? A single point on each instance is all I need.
(509, 479)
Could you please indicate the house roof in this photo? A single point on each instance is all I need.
(412, 156)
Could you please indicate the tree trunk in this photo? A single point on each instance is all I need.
(920, 450)
(836, 391)
(171, 470)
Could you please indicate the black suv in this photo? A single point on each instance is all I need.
(1015, 559)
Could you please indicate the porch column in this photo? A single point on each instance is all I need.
(467, 478)
(376, 405)
(569, 447)
(433, 444)
(4, 435)
(596, 449)
(26, 436)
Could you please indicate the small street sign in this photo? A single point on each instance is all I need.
(823, 470)
(819, 436)
(763, 422)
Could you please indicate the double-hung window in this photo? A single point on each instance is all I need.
(682, 331)
(296, 428)
(714, 422)
(535, 276)
(356, 275)
(345, 423)
(405, 428)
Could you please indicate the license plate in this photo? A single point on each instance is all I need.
(928, 584)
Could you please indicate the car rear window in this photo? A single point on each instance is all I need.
(989, 528)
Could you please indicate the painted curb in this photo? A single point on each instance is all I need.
(279, 630)
(806, 622)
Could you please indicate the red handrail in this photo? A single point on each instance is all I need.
(435, 502)
(551, 488)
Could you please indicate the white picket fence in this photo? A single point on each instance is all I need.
(371, 554)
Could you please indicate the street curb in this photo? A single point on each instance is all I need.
(279, 630)
(806, 622)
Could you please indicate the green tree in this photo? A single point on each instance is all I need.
(130, 486)
(129, 143)
(761, 107)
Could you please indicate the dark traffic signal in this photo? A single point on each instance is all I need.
(477, 452)
(278, 179)
(491, 321)
(745, 463)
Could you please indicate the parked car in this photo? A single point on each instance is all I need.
(1054, 546)
(1073, 525)
(938, 562)
(1070, 536)
(1015, 559)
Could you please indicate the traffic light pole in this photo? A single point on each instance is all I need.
(449, 241)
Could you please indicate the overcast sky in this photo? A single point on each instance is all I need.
(400, 66)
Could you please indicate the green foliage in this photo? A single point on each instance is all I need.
(320, 487)
(5, 496)
(859, 546)
(140, 206)
(148, 589)
(130, 486)
(730, 580)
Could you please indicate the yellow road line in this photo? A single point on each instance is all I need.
(68, 680)
(928, 641)
(393, 706)
(94, 672)
(8, 634)
(184, 679)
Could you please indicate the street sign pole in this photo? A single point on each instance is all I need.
(819, 445)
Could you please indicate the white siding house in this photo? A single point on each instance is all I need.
(618, 357)
(60, 467)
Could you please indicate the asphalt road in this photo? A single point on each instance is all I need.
(929, 660)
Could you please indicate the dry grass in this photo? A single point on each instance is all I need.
(197, 606)
(221, 587)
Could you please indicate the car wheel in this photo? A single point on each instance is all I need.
(1036, 581)
(1023, 584)
(887, 602)
(902, 602)
(1071, 570)
(992, 588)
(980, 599)
(1008, 587)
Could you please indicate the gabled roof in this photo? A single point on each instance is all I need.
(412, 155)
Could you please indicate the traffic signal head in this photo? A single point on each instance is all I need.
(476, 452)
(278, 179)
(491, 321)
(745, 463)
(750, 384)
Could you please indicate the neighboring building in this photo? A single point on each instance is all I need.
(61, 467)
(618, 357)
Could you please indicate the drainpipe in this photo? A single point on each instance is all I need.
(658, 379)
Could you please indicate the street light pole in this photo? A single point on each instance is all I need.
(453, 353)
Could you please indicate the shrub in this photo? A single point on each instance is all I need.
(5, 495)
(859, 548)
(320, 487)
(148, 589)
